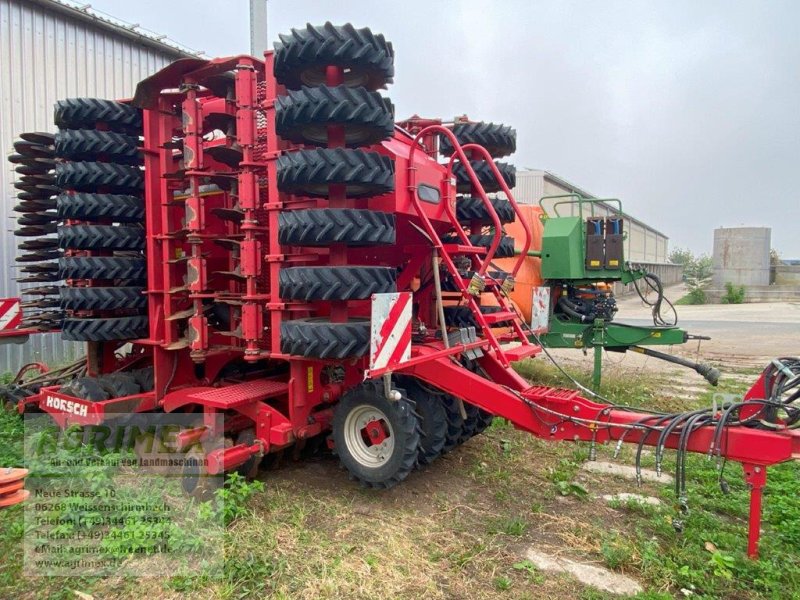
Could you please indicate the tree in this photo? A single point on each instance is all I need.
(681, 256)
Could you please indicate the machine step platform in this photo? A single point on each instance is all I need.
(238, 394)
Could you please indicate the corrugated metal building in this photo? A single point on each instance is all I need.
(644, 244)
(50, 50)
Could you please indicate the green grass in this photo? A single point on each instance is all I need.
(455, 529)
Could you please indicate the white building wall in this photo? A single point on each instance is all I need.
(643, 244)
(46, 56)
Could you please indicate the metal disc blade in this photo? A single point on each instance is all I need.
(34, 195)
(50, 267)
(40, 278)
(31, 206)
(37, 218)
(228, 214)
(26, 186)
(38, 137)
(41, 244)
(44, 290)
(43, 303)
(35, 169)
(33, 150)
(39, 256)
(35, 230)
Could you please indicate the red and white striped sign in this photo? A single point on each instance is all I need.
(390, 342)
(10, 313)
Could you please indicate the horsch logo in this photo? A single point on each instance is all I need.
(68, 406)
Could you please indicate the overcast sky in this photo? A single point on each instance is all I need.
(688, 111)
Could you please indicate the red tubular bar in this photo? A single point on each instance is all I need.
(475, 148)
(475, 183)
(559, 414)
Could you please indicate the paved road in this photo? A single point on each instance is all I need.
(743, 335)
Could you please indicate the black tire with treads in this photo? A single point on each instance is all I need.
(448, 285)
(483, 421)
(119, 385)
(504, 250)
(96, 176)
(471, 208)
(325, 226)
(432, 420)
(319, 338)
(336, 282)
(455, 422)
(303, 116)
(89, 144)
(100, 237)
(103, 267)
(485, 176)
(499, 140)
(310, 172)
(470, 424)
(104, 329)
(84, 206)
(301, 57)
(85, 388)
(102, 298)
(462, 316)
(403, 424)
(86, 113)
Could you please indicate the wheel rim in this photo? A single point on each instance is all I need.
(369, 436)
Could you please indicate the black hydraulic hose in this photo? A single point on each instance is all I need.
(665, 433)
(680, 458)
(640, 447)
(654, 283)
(570, 308)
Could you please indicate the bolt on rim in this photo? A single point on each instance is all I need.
(369, 436)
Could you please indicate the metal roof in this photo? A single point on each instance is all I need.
(132, 31)
(558, 180)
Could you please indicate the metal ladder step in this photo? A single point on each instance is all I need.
(462, 249)
(237, 394)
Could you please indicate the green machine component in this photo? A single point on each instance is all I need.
(582, 256)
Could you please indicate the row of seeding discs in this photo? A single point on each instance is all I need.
(85, 185)
(361, 117)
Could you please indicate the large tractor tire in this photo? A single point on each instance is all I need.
(302, 56)
(95, 207)
(119, 385)
(310, 172)
(90, 144)
(455, 423)
(432, 420)
(485, 176)
(471, 208)
(504, 250)
(325, 226)
(319, 338)
(336, 283)
(86, 388)
(103, 298)
(462, 316)
(96, 176)
(448, 285)
(121, 268)
(499, 140)
(303, 116)
(100, 237)
(376, 439)
(105, 329)
(470, 425)
(86, 113)
(484, 420)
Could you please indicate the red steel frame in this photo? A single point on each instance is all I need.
(291, 399)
